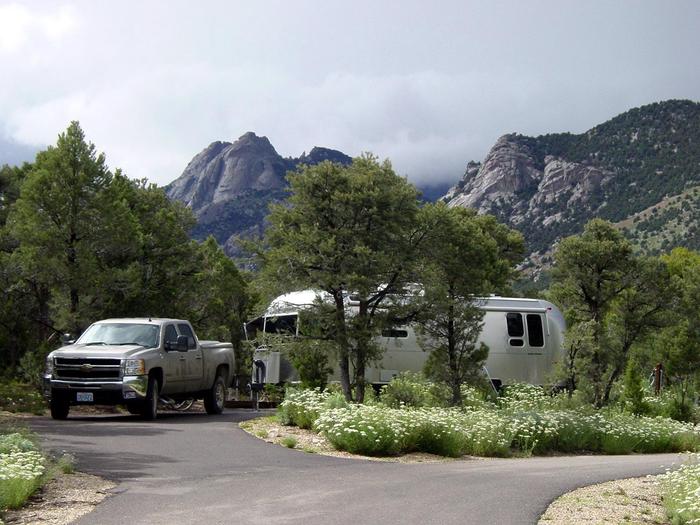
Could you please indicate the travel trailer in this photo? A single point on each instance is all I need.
(524, 336)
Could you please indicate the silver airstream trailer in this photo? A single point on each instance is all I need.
(524, 336)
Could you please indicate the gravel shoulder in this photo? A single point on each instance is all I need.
(633, 501)
(62, 500)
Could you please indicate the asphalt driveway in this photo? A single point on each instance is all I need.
(194, 468)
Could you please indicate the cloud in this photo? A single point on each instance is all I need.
(19, 25)
(429, 89)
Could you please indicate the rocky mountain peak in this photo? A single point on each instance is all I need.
(229, 186)
(509, 168)
(223, 170)
(319, 154)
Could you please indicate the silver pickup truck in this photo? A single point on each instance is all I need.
(136, 362)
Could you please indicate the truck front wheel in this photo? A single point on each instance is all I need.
(59, 408)
(215, 397)
(150, 404)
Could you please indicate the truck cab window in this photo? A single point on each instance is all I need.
(535, 335)
(170, 334)
(186, 330)
(514, 322)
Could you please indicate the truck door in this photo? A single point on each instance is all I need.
(174, 364)
(194, 361)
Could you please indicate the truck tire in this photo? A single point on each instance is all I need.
(149, 410)
(214, 399)
(59, 408)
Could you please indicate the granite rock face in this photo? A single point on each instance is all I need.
(223, 170)
(541, 196)
(229, 186)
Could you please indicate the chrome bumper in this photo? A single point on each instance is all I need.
(131, 387)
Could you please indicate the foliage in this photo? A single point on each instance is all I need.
(22, 469)
(345, 230)
(524, 421)
(612, 301)
(413, 390)
(682, 492)
(79, 242)
(464, 256)
(19, 397)
(289, 441)
(634, 389)
(310, 358)
(302, 407)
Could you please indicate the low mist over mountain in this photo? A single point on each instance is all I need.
(229, 186)
(626, 170)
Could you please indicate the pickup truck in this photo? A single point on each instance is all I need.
(136, 363)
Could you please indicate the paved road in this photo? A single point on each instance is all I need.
(194, 468)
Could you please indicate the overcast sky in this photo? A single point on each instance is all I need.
(429, 85)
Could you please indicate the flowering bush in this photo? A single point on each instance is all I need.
(524, 421)
(682, 492)
(21, 470)
(301, 407)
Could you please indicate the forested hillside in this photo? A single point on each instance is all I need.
(549, 186)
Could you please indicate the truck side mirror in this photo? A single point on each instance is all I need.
(181, 344)
(67, 339)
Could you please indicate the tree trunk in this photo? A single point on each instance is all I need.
(342, 341)
(455, 376)
(361, 354)
(608, 387)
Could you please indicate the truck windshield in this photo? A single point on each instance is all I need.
(146, 335)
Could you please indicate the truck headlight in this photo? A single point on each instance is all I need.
(49, 366)
(134, 367)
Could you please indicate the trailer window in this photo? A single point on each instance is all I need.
(393, 332)
(515, 325)
(281, 324)
(535, 335)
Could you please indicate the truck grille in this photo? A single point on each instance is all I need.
(90, 369)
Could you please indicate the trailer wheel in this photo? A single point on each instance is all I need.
(214, 399)
(59, 408)
(150, 405)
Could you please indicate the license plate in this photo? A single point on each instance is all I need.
(85, 397)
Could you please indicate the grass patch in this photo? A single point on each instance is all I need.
(289, 441)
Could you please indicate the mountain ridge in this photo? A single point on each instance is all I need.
(549, 186)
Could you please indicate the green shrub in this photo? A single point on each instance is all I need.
(289, 441)
(413, 390)
(310, 357)
(633, 393)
